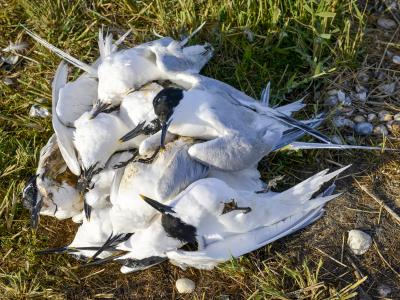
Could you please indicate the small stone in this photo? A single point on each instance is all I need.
(393, 126)
(346, 110)
(332, 92)
(371, 117)
(396, 59)
(336, 139)
(343, 122)
(39, 111)
(360, 88)
(341, 96)
(384, 290)
(381, 130)
(388, 89)
(396, 117)
(363, 128)
(362, 96)
(351, 140)
(331, 101)
(359, 241)
(385, 116)
(363, 77)
(359, 119)
(249, 35)
(185, 286)
(8, 81)
(386, 23)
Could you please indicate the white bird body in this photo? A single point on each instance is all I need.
(123, 71)
(137, 106)
(202, 205)
(236, 137)
(75, 98)
(97, 139)
(93, 233)
(171, 172)
(56, 185)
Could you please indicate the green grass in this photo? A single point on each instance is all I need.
(294, 44)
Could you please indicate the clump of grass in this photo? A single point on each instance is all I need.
(291, 43)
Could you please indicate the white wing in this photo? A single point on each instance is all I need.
(64, 134)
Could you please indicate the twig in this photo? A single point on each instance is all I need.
(387, 208)
(359, 276)
(332, 258)
(385, 261)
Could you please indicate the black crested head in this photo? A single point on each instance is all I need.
(32, 200)
(30, 193)
(176, 228)
(165, 102)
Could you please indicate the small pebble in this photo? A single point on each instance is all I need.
(342, 97)
(336, 139)
(363, 128)
(39, 111)
(363, 77)
(396, 59)
(362, 96)
(384, 290)
(388, 89)
(386, 23)
(331, 101)
(346, 110)
(359, 119)
(385, 116)
(396, 117)
(249, 35)
(332, 92)
(371, 117)
(359, 241)
(393, 126)
(360, 88)
(185, 285)
(351, 140)
(381, 130)
(343, 122)
(8, 81)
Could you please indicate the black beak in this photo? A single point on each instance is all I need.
(157, 205)
(164, 129)
(133, 133)
(98, 108)
(88, 209)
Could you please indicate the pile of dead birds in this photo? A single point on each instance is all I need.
(157, 162)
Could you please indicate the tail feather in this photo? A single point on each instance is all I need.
(265, 94)
(240, 244)
(105, 44)
(69, 58)
(290, 108)
(291, 135)
(304, 190)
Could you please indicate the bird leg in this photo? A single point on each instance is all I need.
(231, 206)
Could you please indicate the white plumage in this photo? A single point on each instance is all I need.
(203, 188)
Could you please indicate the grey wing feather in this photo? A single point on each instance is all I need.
(303, 145)
(291, 135)
(180, 173)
